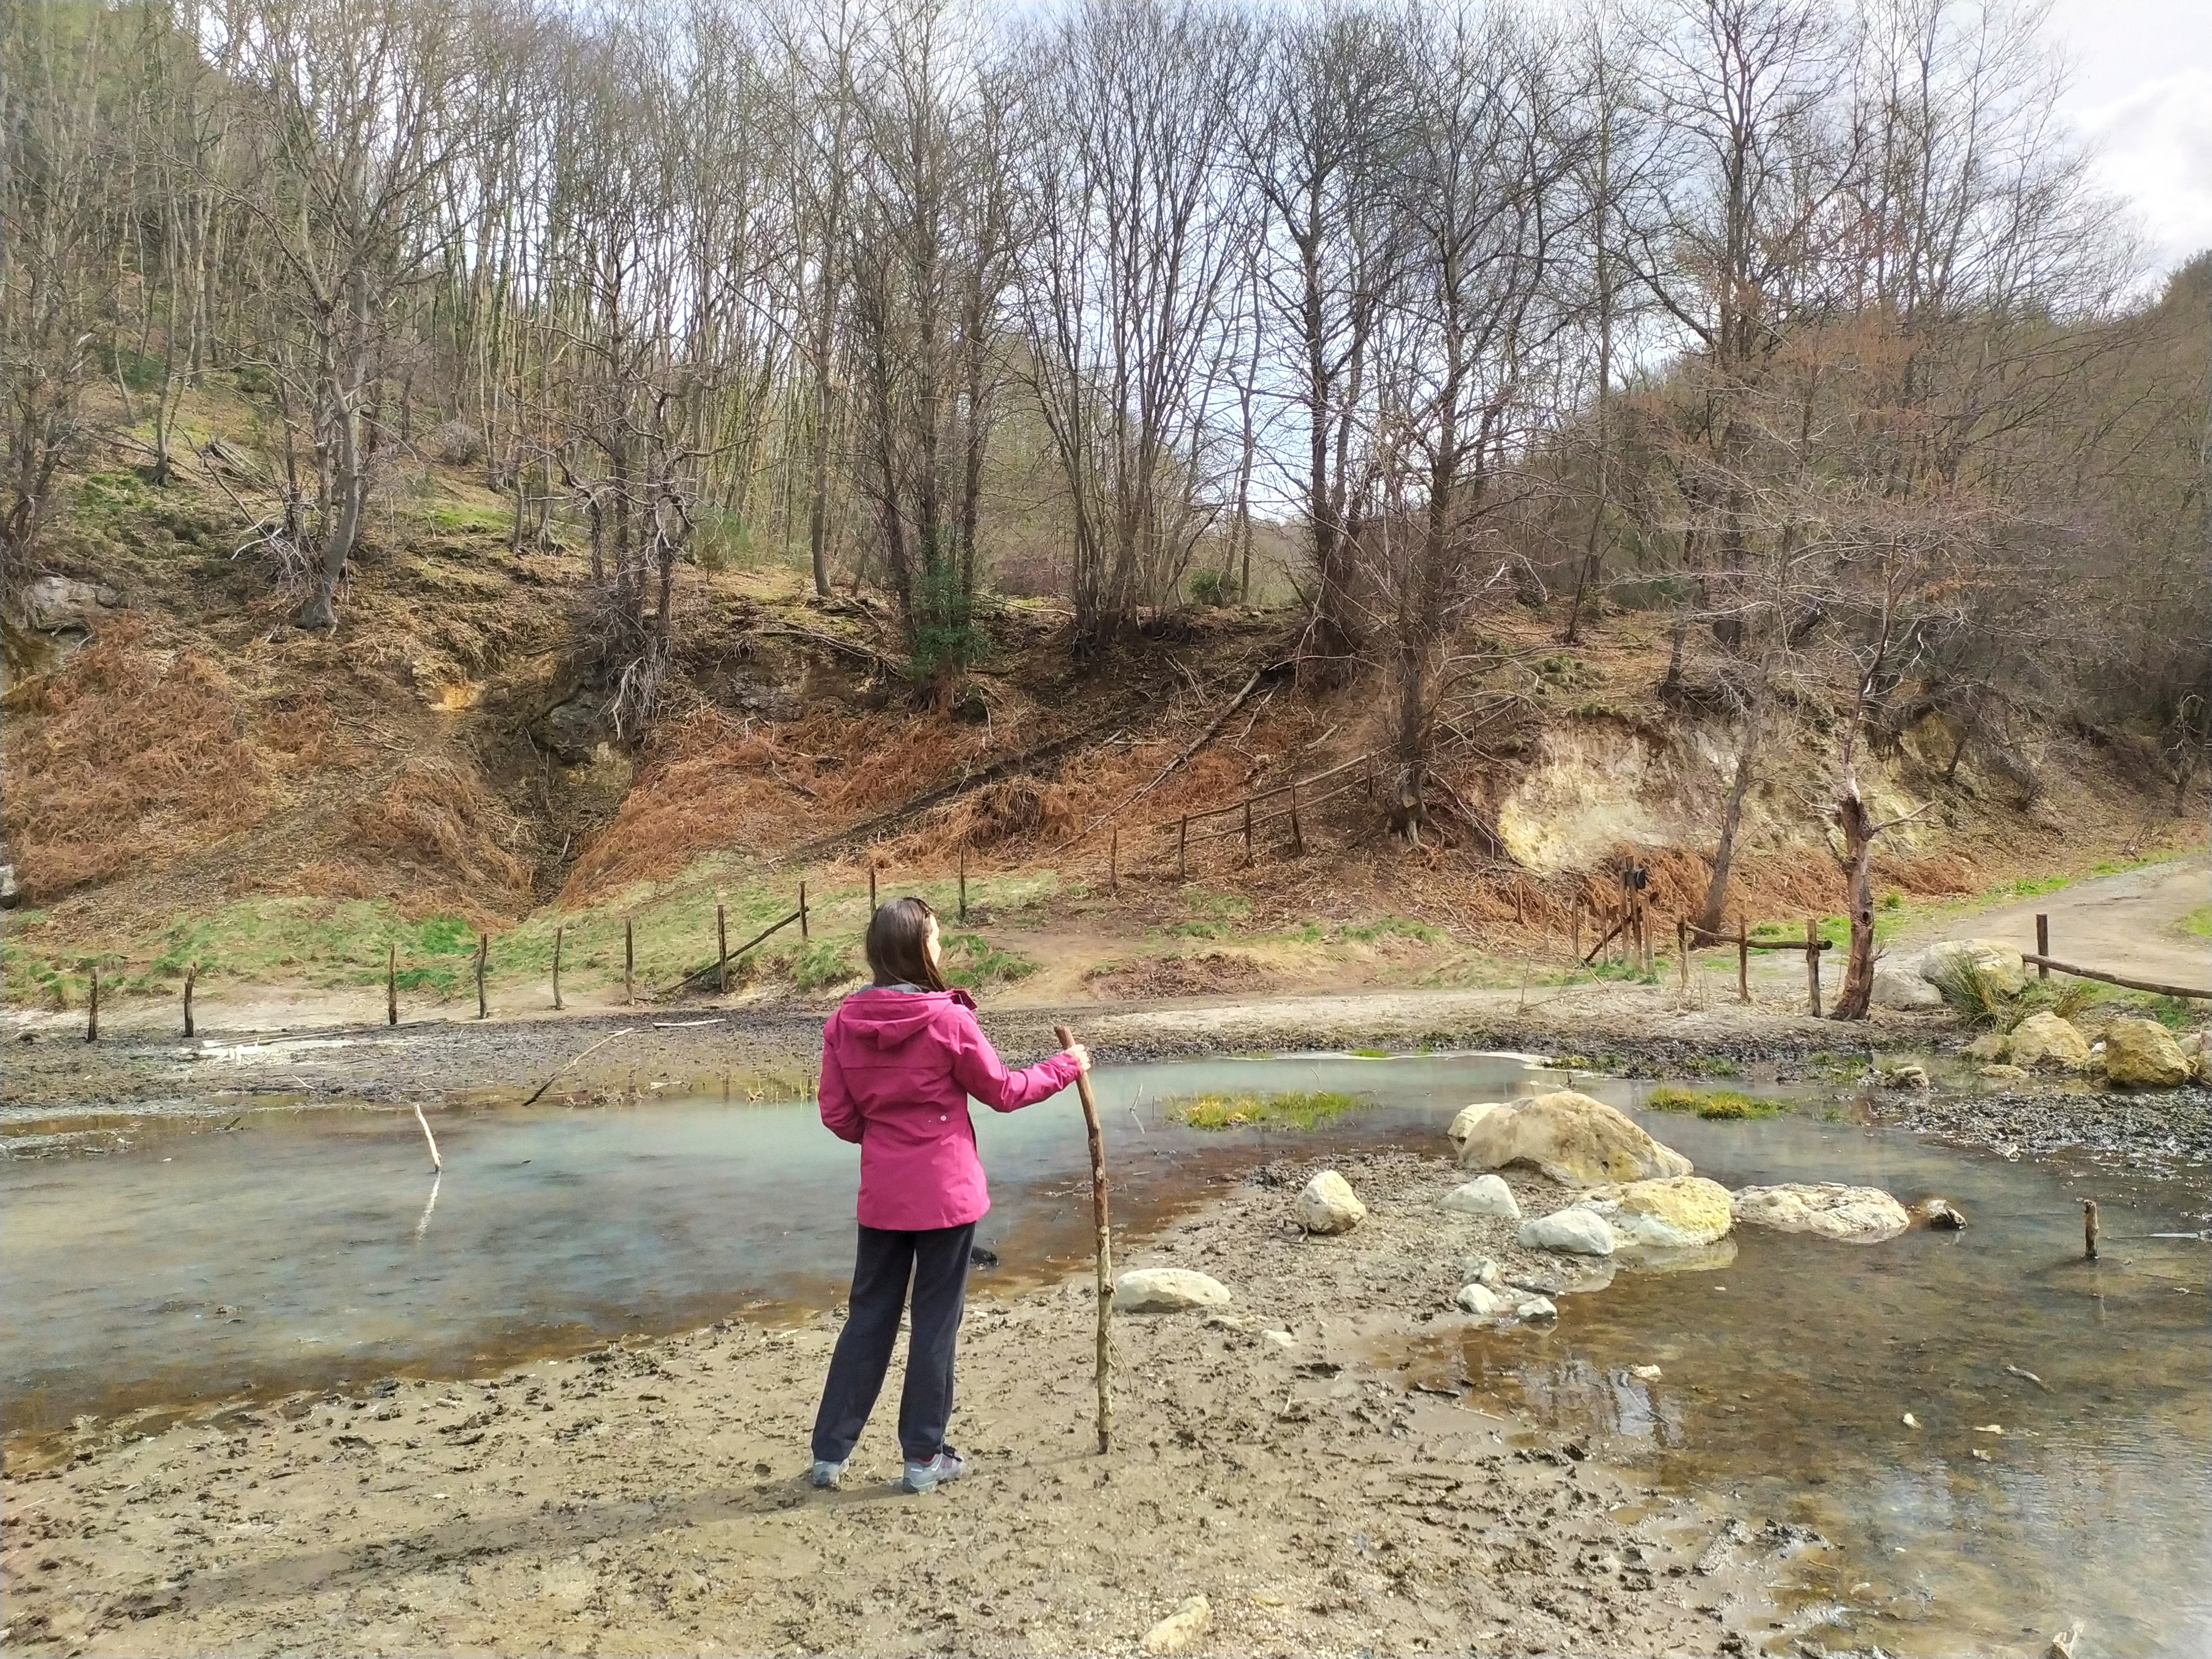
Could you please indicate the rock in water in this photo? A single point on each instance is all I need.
(2044, 1039)
(2141, 1053)
(1907, 1076)
(1854, 1215)
(1991, 1046)
(1902, 988)
(1535, 1309)
(1579, 1232)
(1939, 1213)
(1167, 1290)
(2002, 1073)
(1484, 1195)
(1480, 1270)
(1180, 1628)
(1463, 1125)
(1480, 1300)
(1681, 1213)
(1999, 963)
(1570, 1138)
(1329, 1205)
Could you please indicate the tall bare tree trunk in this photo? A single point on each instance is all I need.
(1711, 912)
(1859, 829)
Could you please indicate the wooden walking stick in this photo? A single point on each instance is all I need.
(1105, 1249)
(391, 986)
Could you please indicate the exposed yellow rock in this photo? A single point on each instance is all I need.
(1180, 1628)
(2141, 1053)
(1570, 1138)
(2044, 1039)
(1677, 1213)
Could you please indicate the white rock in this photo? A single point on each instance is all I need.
(1535, 1309)
(51, 604)
(1167, 1290)
(1329, 1205)
(1999, 962)
(1180, 1628)
(1644, 1373)
(1480, 1300)
(1903, 987)
(1855, 1215)
(1282, 1340)
(1484, 1195)
(1580, 1232)
(1480, 1270)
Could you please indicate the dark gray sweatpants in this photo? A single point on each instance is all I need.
(937, 1261)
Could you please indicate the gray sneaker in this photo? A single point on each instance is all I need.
(946, 1465)
(828, 1476)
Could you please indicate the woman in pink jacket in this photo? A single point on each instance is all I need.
(899, 1061)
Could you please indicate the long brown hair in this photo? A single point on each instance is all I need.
(898, 944)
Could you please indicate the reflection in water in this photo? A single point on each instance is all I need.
(292, 1254)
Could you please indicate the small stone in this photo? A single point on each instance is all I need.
(2044, 1039)
(1580, 1232)
(1939, 1213)
(1910, 1420)
(1167, 1290)
(1282, 1340)
(1644, 1373)
(2063, 1644)
(1993, 1046)
(1329, 1205)
(1908, 1076)
(1981, 1456)
(2002, 1073)
(1478, 1300)
(1480, 1270)
(1484, 1195)
(1535, 1309)
(1180, 1628)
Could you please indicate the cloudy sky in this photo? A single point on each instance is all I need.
(2141, 88)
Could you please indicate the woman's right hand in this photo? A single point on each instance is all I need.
(1081, 1056)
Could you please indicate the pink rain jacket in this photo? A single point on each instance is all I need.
(897, 1068)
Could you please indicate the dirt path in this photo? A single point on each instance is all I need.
(651, 1500)
(2129, 922)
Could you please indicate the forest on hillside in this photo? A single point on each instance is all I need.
(1796, 322)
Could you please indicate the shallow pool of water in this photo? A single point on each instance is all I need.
(316, 1248)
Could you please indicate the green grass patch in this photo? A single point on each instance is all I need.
(2198, 921)
(1371, 1054)
(820, 963)
(465, 516)
(972, 961)
(1724, 1104)
(1382, 927)
(1289, 1108)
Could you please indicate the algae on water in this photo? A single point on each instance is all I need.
(1295, 1109)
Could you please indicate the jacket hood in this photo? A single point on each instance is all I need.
(884, 1018)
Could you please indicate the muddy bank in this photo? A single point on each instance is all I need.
(2166, 1134)
(651, 1499)
(1629, 1030)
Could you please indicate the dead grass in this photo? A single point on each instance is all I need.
(441, 818)
(128, 755)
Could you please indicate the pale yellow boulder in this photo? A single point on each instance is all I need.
(1993, 1047)
(1463, 1125)
(1678, 1212)
(2000, 964)
(1855, 1215)
(2141, 1053)
(1329, 1205)
(2044, 1039)
(1180, 1628)
(1569, 1137)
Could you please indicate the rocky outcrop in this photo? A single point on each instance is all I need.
(1167, 1290)
(1681, 1213)
(1569, 1137)
(1463, 1125)
(1999, 963)
(1577, 1232)
(1484, 1195)
(60, 604)
(2044, 1039)
(2141, 1053)
(1853, 1215)
(1329, 1205)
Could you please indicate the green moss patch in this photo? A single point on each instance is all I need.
(1290, 1109)
(1717, 1103)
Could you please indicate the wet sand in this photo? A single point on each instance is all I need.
(651, 1499)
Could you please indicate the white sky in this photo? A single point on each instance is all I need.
(2141, 91)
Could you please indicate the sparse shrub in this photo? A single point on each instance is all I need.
(457, 443)
(1208, 588)
(1974, 993)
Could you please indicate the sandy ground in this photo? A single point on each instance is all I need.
(651, 1500)
(2128, 923)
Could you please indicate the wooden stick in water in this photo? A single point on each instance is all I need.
(191, 973)
(436, 1163)
(2088, 1230)
(566, 1064)
(1105, 1244)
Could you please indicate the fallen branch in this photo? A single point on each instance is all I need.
(569, 1064)
(866, 654)
(714, 968)
(1272, 670)
(2151, 986)
(436, 1163)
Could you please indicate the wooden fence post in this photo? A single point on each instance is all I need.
(191, 973)
(1114, 863)
(963, 884)
(391, 986)
(1182, 842)
(872, 889)
(92, 1008)
(2043, 945)
(1682, 950)
(1575, 944)
(721, 950)
(2088, 1230)
(802, 909)
(630, 960)
(558, 933)
(1813, 963)
(1520, 906)
(1743, 958)
(483, 951)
